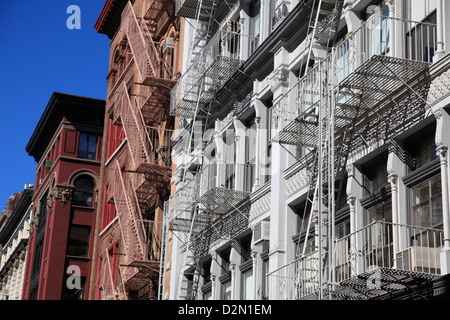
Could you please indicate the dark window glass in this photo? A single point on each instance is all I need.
(78, 244)
(76, 293)
(84, 193)
(87, 146)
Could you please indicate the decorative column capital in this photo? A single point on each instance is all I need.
(393, 178)
(351, 200)
(442, 152)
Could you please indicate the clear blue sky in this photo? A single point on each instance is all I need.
(40, 55)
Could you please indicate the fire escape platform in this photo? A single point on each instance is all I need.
(221, 200)
(155, 170)
(202, 221)
(156, 10)
(146, 270)
(378, 78)
(380, 281)
(222, 68)
(188, 9)
(159, 83)
(215, 76)
(303, 131)
(376, 283)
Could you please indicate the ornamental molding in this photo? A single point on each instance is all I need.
(440, 88)
(261, 205)
(62, 193)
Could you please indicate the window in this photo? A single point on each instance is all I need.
(422, 148)
(116, 136)
(78, 244)
(255, 13)
(75, 293)
(247, 285)
(427, 203)
(38, 248)
(227, 290)
(109, 210)
(378, 34)
(375, 175)
(380, 212)
(87, 146)
(84, 193)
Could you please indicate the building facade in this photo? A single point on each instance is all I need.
(66, 146)
(144, 64)
(14, 236)
(311, 153)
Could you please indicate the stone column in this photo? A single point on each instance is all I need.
(440, 32)
(254, 255)
(393, 178)
(393, 35)
(213, 287)
(258, 153)
(442, 140)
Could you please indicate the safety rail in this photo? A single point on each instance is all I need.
(225, 175)
(210, 70)
(416, 249)
(380, 244)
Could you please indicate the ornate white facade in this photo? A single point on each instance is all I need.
(14, 239)
(373, 78)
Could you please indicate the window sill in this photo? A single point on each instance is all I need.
(78, 258)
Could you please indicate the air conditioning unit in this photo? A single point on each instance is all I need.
(261, 231)
(169, 43)
(48, 164)
(419, 259)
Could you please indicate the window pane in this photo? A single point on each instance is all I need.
(92, 147)
(227, 290)
(248, 285)
(78, 241)
(82, 145)
(75, 293)
(84, 193)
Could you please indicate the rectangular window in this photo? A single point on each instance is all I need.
(109, 210)
(78, 244)
(73, 293)
(247, 285)
(87, 146)
(427, 203)
(116, 136)
(227, 290)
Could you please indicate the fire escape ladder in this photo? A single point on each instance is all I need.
(141, 43)
(110, 290)
(164, 250)
(129, 215)
(135, 131)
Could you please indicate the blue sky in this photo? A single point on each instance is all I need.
(40, 55)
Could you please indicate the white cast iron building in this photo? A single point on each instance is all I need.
(13, 247)
(312, 152)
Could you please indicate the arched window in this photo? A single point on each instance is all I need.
(83, 193)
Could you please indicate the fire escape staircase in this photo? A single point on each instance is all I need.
(154, 96)
(140, 237)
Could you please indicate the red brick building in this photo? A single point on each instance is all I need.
(66, 146)
(144, 63)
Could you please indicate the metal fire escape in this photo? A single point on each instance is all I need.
(137, 191)
(206, 196)
(347, 100)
